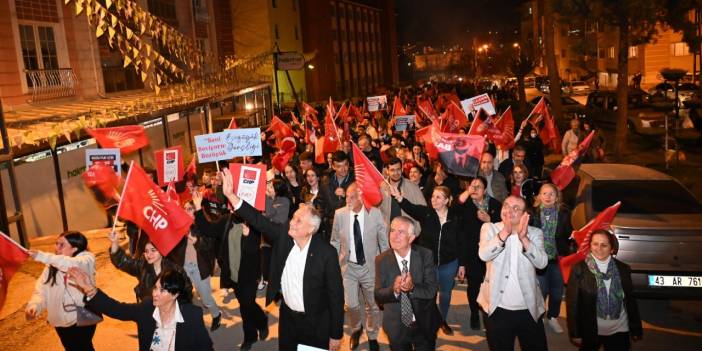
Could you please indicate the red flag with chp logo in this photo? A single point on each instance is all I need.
(126, 138)
(368, 178)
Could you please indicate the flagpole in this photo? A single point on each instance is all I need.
(121, 197)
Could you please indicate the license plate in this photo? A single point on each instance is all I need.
(675, 281)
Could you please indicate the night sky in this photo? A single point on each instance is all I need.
(449, 22)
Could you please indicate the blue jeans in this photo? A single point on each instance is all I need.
(551, 283)
(447, 273)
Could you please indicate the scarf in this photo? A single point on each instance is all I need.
(609, 304)
(549, 221)
(483, 205)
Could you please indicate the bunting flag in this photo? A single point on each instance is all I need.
(397, 108)
(453, 118)
(102, 178)
(460, 153)
(368, 178)
(147, 206)
(565, 172)
(280, 129)
(125, 138)
(12, 255)
(603, 220)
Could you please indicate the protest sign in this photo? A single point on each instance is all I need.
(403, 123)
(169, 165)
(473, 105)
(107, 157)
(377, 103)
(228, 144)
(250, 183)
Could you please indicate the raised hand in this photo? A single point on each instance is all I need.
(395, 193)
(80, 279)
(523, 226)
(228, 187)
(197, 199)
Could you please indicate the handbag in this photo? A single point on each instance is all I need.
(84, 316)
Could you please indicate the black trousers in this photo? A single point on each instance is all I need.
(503, 326)
(76, 338)
(300, 328)
(476, 274)
(614, 342)
(413, 339)
(266, 261)
(252, 316)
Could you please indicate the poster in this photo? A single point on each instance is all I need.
(228, 144)
(109, 157)
(169, 165)
(250, 183)
(403, 123)
(472, 105)
(377, 103)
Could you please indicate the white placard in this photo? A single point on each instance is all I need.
(110, 157)
(377, 103)
(474, 104)
(228, 144)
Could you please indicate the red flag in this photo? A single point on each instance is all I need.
(502, 132)
(310, 114)
(310, 134)
(343, 113)
(294, 118)
(355, 113)
(565, 172)
(319, 154)
(368, 178)
(548, 132)
(126, 138)
(397, 108)
(286, 150)
(453, 118)
(331, 135)
(426, 135)
(103, 177)
(145, 204)
(232, 124)
(603, 220)
(11, 258)
(172, 194)
(280, 129)
(331, 110)
(479, 124)
(460, 153)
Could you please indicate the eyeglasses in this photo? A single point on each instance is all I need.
(514, 208)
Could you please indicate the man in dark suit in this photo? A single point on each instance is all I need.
(304, 271)
(332, 189)
(406, 284)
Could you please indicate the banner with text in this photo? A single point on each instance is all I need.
(228, 144)
(474, 104)
(250, 183)
(377, 103)
(107, 157)
(403, 123)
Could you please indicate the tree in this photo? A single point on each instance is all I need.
(553, 77)
(520, 67)
(677, 17)
(636, 23)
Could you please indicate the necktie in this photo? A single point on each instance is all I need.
(358, 241)
(405, 303)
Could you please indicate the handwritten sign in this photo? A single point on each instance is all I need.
(228, 144)
(250, 183)
(474, 104)
(377, 103)
(169, 165)
(108, 157)
(403, 123)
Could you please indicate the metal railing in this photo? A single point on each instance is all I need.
(48, 84)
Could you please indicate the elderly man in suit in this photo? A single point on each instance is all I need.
(406, 284)
(513, 251)
(359, 235)
(305, 269)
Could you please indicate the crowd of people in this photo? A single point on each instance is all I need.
(318, 251)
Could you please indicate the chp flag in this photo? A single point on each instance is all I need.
(368, 178)
(126, 138)
(565, 172)
(12, 255)
(147, 206)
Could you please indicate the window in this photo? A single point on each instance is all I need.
(644, 197)
(610, 52)
(679, 49)
(275, 30)
(633, 51)
(38, 48)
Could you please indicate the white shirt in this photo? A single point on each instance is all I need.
(164, 335)
(489, 183)
(352, 241)
(611, 326)
(291, 280)
(399, 263)
(513, 299)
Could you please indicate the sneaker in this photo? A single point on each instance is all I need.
(554, 325)
(216, 322)
(262, 284)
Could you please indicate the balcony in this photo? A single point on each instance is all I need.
(50, 84)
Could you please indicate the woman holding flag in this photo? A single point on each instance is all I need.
(600, 304)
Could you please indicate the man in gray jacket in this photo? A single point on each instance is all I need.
(510, 293)
(497, 185)
(410, 191)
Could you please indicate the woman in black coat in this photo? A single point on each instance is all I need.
(179, 322)
(477, 208)
(600, 303)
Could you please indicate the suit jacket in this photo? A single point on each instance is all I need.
(498, 264)
(423, 296)
(472, 225)
(498, 185)
(581, 302)
(190, 335)
(323, 292)
(411, 192)
(375, 236)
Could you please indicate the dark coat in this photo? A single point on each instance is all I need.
(327, 189)
(190, 335)
(563, 229)
(581, 302)
(205, 249)
(142, 270)
(472, 224)
(451, 244)
(423, 297)
(323, 291)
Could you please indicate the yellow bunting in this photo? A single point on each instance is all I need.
(99, 31)
(143, 76)
(108, 3)
(147, 63)
(79, 8)
(129, 33)
(157, 89)
(111, 32)
(127, 61)
(114, 20)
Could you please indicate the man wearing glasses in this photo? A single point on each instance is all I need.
(509, 294)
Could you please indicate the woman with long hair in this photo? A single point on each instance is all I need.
(54, 294)
(293, 179)
(522, 185)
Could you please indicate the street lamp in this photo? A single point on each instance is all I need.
(515, 45)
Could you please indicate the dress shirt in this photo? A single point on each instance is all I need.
(399, 264)
(489, 183)
(352, 242)
(165, 334)
(292, 279)
(513, 299)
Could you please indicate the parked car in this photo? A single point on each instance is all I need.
(659, 226)
(578, 87)
(643, 117)
(571, 107)
(667, 91)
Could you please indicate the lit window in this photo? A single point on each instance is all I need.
(679, 49)
(610, 52)
(633, 51)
